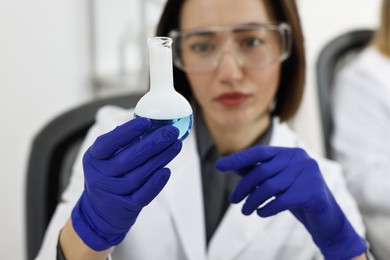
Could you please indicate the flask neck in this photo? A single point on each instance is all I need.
(161, 67)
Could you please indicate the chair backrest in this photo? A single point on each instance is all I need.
(52, 153)
(328, 63)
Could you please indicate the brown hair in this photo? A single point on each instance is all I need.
(382, 35)
(292, 78)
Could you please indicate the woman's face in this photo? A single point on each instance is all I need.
(231, 95)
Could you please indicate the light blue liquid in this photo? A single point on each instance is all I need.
(184, 125)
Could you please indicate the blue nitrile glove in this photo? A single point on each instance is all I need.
(294, 181)
(123, 173)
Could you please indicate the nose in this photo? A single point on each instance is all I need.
(229, 70)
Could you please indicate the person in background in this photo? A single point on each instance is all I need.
(361, 139)
(242, 185)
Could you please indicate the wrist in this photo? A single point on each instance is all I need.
(88, 232)
(73, 247)
(361, 257)
(345, 244)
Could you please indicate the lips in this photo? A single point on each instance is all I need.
(232, 99)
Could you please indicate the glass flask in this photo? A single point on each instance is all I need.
(163, 104)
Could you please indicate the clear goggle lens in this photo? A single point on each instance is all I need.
(252, 46)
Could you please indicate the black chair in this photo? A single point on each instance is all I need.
(52, 154)
(329, 62)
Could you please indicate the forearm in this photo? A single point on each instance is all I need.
(74, 248)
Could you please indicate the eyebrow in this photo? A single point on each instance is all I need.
(235, 29)
(247, 26)
(204, 33)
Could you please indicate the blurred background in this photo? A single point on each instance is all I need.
(55, 55)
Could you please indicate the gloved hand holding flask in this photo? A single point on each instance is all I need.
(288, 179)
(124, 169)
(123, 173)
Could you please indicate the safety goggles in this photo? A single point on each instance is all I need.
(252, 45)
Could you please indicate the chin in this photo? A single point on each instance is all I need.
(235, 121)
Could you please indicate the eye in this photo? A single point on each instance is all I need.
(201, 47)
(251, 42)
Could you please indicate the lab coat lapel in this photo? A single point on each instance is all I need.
(186, 201)
(235, 232)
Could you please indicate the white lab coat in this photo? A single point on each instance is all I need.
(362, 140)
(172, 226)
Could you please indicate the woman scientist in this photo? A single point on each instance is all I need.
(361, 138)
(241, 97)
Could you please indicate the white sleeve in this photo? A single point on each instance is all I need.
(362, 131)
(107, 118)
(335, 180)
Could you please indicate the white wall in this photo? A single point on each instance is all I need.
(44, 71)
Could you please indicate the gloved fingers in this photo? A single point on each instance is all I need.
(131, 157)
(272, 187)
(305, 189)
(297, 198)
(128, 183)
(247, 157)
(246, 170)
(141, 174)
(118, 209)
(256, 177)
(108, 212)
(152, 187)
(108, 144)
(281, 203)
